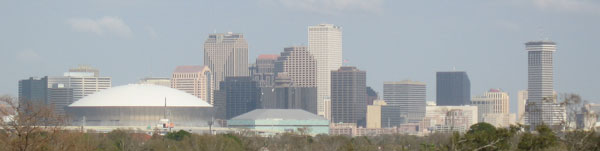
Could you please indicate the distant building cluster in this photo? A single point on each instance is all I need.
(303, 89)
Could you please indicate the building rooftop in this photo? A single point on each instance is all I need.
(405, 82)
(268, 57)
(140, 95)
(543, 42)
(278, 114)
(189, 69)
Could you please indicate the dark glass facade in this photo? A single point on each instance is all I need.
(33, 90)
(453, 88)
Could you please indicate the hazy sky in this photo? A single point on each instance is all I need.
(392, 40)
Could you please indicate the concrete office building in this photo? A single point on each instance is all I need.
(408, 97)
(348, 95)
(541, 106)
(299, 65)
(521, 101)
(81, 81)
(239, 95)
(156, 81)
(374, 114)
(281, 121)
(494, 102)
(195, 80)
(226, 55)
(325, 44)
(263, 70)
(453, 88)
(371, 96)
(139, 105)
(33, 90)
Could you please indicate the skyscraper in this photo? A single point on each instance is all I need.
(541, 105)
(493, 105)
(226, 54)
(453, 88)
(325, 44)
(195, 80)
(290, 96)
(299, 65)
(408, 97)
(263, 70)
(239, 95)
(33, 90)
(348, 95)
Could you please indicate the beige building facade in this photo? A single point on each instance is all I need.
(195, 80)
(226, 54)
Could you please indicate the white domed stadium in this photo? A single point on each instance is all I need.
(139, 105)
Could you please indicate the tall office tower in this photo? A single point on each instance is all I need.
(239, 95)
(408, 97)
(81, 81)
(493, 105)
(299, 64)
(521, 101)
(286, 95)
(453, 88)
(226, 54)
(263, 70)
(325, 44)
(33, 90)
(348, 95)
(156, 81)
(541, 105)
(371, 96)
(195, 80)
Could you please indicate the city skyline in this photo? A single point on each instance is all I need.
(510, 74)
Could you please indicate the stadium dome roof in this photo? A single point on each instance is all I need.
(140, 95)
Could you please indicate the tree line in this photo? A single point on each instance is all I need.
(30, 127)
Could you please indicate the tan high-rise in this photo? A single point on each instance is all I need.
(226, 54)
(325, 44)
(195, 80)
(492, 107)
(299, 64)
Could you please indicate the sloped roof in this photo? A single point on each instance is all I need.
(278, 114)
(140, 95)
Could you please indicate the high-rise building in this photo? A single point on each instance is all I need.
(541, 107)
(195, 80)
(325, 44)
(371, 96)
(299, 65)
(33, 90)
(226, 54)
(493, 105)
(156, 81)
(60, 96)
(240, 95)
(286, 95)
(81, 81)
(408, 97)
(453, 88)
(348, 95)
(263, 70)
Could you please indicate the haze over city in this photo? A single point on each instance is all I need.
(390, 40)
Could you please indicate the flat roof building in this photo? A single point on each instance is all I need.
(281, 121)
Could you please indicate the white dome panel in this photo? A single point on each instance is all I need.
(140, 95)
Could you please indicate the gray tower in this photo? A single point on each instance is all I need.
(408, 97)
(349, 96)
(453, 88)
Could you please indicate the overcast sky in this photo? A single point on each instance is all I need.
(391, 40)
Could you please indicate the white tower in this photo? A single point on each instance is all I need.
(325, 44)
